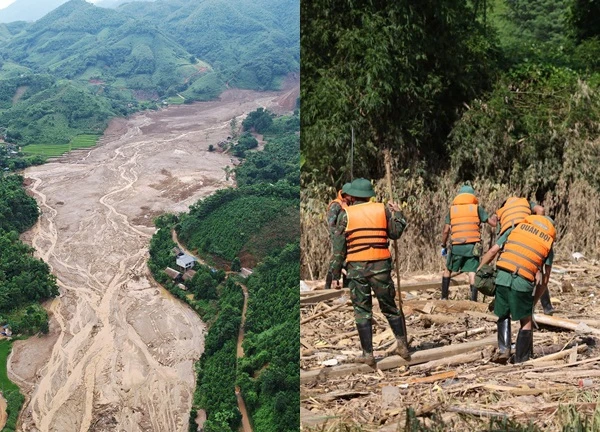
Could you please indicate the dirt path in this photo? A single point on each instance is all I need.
(120, 351)
(246, 426)
(3, 414)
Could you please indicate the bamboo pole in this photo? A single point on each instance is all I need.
(388, 176)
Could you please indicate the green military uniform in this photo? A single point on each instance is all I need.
(367, 275)
(374, 273)
(462, 257)
(514, 294)
(332, 216)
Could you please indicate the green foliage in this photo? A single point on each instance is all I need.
(18, 211)
(251, 44)
(236, 266)
(397, 73)
(533, 31)
(244, 143)
(10, 391)
(539, 124)
(272, 345)
(584, 18)
(259, 121)
(225, 223)
(279, 161)
(24, 280)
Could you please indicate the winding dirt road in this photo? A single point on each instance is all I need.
(120, 351)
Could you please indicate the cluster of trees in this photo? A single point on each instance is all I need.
(215, 392)
(231, 220)
(268, 375)
(24, 280)
(245, 142)
(280, 159)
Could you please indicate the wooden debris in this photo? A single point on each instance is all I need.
(475, 412)
(565, 324)
(320, 314)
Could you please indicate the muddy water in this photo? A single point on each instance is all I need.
(120, 352)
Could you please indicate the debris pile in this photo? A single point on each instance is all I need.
(450, 377)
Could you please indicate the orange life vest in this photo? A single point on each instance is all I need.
(514, 211)
(464, 219)
(338, 199)
(366, 232)
(527, 247)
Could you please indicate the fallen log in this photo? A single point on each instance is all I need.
(564, 323)
(449, 361)
(475, 412)
(394, 361)
(448, 306)
(559, 355)
(564, 375)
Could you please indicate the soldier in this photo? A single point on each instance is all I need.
(512, 212)
(361, 238)
(335, 207)
(525, 260)
(463, 225)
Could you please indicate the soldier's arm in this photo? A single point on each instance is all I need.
(332, 215)
(395, 221)
(489, 256)
(445, 234)
(339, 246)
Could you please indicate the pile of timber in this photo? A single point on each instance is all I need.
(450, 373)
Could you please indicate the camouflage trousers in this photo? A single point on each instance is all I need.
(365, 276)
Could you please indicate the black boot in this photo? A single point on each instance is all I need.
(474, 293)
(504, 340)
(445, 287)
(524, 348)
(365, 333)
(398, 326)
(546, 303)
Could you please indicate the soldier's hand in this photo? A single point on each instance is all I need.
(393, 206)
(336, 284)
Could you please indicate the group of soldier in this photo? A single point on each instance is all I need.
(360, 229)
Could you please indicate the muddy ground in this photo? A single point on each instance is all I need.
(120, 351)
(461, 391)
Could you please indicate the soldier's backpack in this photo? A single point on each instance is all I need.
(485, 280)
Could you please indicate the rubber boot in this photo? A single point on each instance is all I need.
(365, 333)
(524, 348)
(445, 287)
(504, 340)
(474, 293)
(546, 303)
(398, 326)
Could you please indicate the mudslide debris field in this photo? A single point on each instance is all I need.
(120, 351)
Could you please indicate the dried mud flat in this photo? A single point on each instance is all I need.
(120, 351)
(450, 378)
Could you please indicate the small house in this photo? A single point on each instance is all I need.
(245, 272)
(172, 273)
(186, 261)
(188, 275)
(182, 286)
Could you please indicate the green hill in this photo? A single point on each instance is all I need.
(80, 41)
(253, 44)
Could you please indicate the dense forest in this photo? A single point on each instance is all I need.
(502, 94)
(24, 280)
(69, 72)
(254, 225)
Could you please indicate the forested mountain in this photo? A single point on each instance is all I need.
(117, 61)
(503, 94)
(252, 43)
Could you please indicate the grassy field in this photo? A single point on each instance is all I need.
(5, 383)
(175, 100)
(55, 150)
